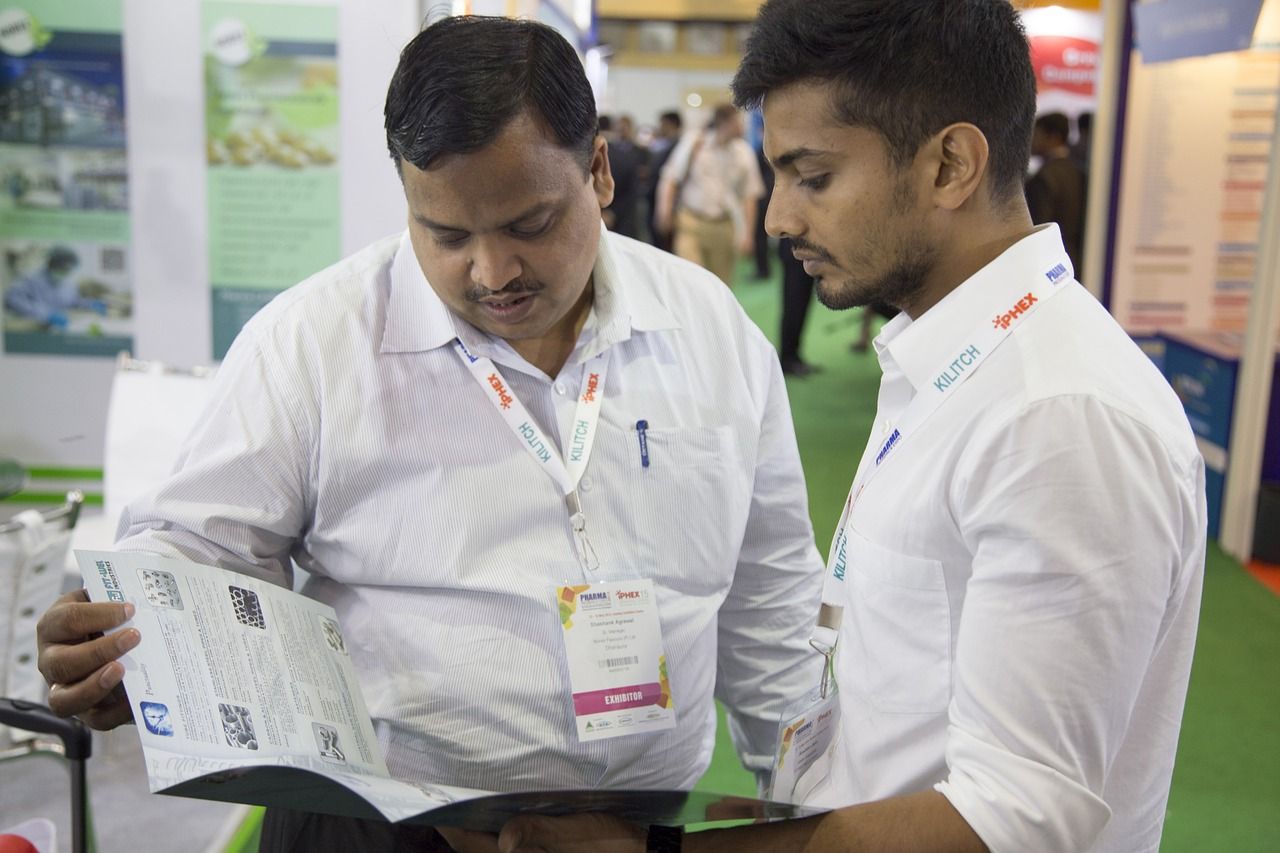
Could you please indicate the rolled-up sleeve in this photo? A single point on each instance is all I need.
(1074, 513)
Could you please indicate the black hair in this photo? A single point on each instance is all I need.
(1084, 123)
(61, 258)
(721, 114)
(1054, 124)
(673, 117)
(906, 69)
(462, 80)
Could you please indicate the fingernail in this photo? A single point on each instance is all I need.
(128, 610)
(111, 677)
(126, 640)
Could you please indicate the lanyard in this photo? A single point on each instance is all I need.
(564, 472)
(950, 376)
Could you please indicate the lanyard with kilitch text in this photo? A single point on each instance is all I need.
(566, 472)
(926, 401)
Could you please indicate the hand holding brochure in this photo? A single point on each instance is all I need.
(244, 692)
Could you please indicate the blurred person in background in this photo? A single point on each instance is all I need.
(763, 245)
(1083, 146)
(627, 162)
(708, 192)
(664, 142)
(1056, 192)
(797, 294)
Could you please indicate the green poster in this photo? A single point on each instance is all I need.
(271, 125)
(64, 188)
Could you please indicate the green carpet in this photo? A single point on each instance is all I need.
(1227, 779)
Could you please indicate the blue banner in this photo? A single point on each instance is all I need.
(1175, 29)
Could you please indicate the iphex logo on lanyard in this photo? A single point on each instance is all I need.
(565, 473)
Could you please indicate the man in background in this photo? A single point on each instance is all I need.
(707, 193)
(627, 164)
(664, 142)
(1083, 146)
(1056, 192)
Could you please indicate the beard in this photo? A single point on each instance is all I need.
(896, 284)
(894, 259)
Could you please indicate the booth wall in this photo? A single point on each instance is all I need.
(54, 408)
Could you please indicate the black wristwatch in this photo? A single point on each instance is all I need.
(664, 839)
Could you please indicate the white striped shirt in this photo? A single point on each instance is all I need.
(346, 434)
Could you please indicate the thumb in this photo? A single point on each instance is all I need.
(514, 835)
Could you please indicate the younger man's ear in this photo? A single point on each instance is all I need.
(958, 155)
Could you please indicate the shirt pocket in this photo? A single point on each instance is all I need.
(688, 506)
(898, 629)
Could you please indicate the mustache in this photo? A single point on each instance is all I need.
(799, 245)
(513, 288)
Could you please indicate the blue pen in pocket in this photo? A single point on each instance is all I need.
(641, 426)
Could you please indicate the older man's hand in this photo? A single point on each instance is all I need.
(584, 833)
(80, 664)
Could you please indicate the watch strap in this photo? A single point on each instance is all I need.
(664, 839)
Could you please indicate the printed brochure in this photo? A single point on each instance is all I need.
(245, 692)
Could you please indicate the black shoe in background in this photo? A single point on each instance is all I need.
(796, 367)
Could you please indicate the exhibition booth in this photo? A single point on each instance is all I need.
(178, 163)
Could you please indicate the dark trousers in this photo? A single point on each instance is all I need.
(763, 268)
(285, 831)
(797, 293)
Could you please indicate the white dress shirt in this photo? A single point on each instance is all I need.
(345, 433)
(1024, 575)
(720, 178)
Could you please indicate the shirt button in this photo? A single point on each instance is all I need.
(585, 484)
(559, 387)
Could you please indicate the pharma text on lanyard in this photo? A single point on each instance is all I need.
(564, 472)
(951, 376)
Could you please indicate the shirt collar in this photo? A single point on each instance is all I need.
(417, 320)
(920, 346)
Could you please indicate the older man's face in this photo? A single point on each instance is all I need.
(507, 236)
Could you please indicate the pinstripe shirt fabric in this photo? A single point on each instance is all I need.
(345, 434)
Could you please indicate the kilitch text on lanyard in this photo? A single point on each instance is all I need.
(982, 343)
(564, 472)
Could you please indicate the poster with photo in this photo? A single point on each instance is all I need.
(64, 183)
(271, 145)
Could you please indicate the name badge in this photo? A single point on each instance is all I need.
(806, 740)
(617, 668)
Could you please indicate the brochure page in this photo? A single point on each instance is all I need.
(236, 673)
(244, 692)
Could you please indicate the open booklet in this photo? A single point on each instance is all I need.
(244, 692)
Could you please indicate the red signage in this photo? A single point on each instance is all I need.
(1064, 63)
